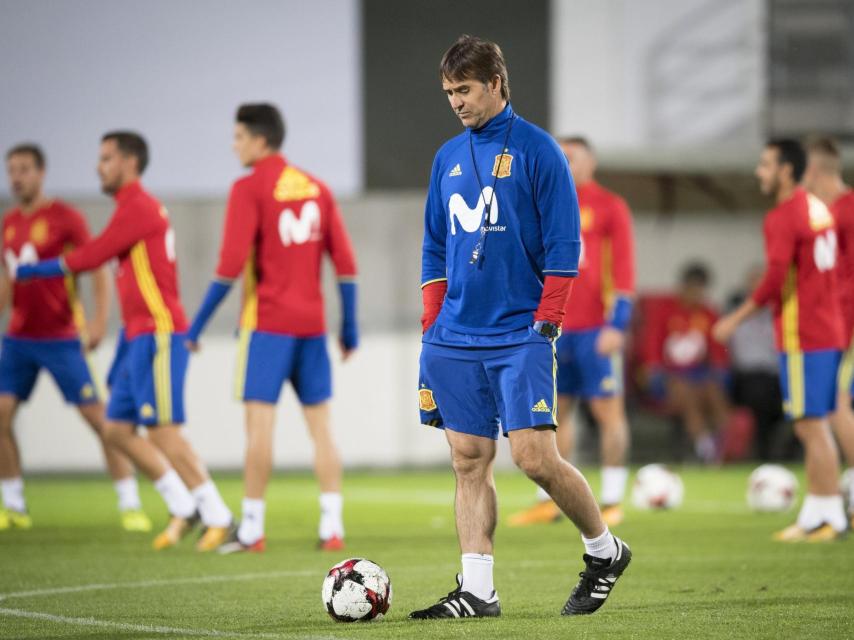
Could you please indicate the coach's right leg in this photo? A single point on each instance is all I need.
(475, 508)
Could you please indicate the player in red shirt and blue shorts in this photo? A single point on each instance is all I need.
(800, 285)
(823, 178)
(148, 378)
(590, 349)
(280, 223)
(47, 330)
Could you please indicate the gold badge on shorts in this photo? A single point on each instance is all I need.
(87, 392)
(501, 168)
(146, 411)
(426, 400)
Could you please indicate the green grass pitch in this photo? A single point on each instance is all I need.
(707, 570)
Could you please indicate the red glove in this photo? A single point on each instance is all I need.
(553, 301)
(432, 295)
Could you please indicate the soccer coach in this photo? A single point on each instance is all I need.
(501, 246)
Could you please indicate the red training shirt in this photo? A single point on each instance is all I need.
(607, 264)
(279, 223)
(800, 280)
(843, 213)
(49, 308)
(140, 237)
(680, 337)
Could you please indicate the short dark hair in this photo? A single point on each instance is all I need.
(791, 152)
(130, 143)
(265, 120)
(28, 148)
(579, 140)
(474, 58)
(695, 273)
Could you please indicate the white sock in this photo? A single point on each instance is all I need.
(331, 522)
(128, 492)
(603, 546)
(808, 516)
(477, 575)
(614, 481)
(830, 509)
(13, 494)
(542, 494)
(175, 494)
(705, 448)
(211, 506)
(252, 525)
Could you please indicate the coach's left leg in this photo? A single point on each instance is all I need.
(535, 453)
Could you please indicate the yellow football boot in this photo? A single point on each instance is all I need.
(824, 533)
(11, 519)
(541, 513)
(792, 533)
(136, 520)
(612, 515)
(213, 537)
(174, 532)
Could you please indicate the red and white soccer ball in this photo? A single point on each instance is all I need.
(771, 488)
(657, 487)
(356, 590)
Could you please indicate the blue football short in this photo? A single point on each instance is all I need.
(147, 385)
(479, 390)
(584, 373)
(266, 361)
(21, 359)
(808, 382)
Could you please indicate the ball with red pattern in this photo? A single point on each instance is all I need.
(771, 488)
(657, 487)
(356, 590)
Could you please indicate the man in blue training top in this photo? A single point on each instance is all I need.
(501, 244)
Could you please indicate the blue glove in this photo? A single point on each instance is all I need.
(43, 269)
(349, 323)
(214, 296)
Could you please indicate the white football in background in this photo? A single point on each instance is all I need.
(771, 488)
(657, 487)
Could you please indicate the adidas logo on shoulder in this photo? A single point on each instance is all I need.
(541, 407)
(456, 171)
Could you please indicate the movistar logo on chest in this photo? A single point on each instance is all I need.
(470, 219)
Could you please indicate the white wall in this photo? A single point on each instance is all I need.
(640, 78)
(176, 70)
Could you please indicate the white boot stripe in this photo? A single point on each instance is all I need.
(452, 609)
(467, 606)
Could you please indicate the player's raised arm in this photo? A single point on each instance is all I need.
(241, 224)
(96, 327)
(560, 224)
(434, 275)
(340, 249)
(623, 256)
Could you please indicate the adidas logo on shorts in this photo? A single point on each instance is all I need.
(541, 407)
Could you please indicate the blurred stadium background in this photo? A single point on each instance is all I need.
(677, 96)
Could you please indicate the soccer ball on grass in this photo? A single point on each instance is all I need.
(657, 487)
(771, 488)
(356, 590)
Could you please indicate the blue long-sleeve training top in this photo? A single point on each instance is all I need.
(533, 227)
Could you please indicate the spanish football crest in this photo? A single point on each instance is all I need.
(38, 232)
(501, 168)
(425, 400)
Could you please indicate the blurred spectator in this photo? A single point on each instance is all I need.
(685, 366)
(755, 383)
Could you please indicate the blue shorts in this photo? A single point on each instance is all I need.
(148, 380)
(478, 390)
(583, 372)
(266, 361)
(808, 382)
(22, 358)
